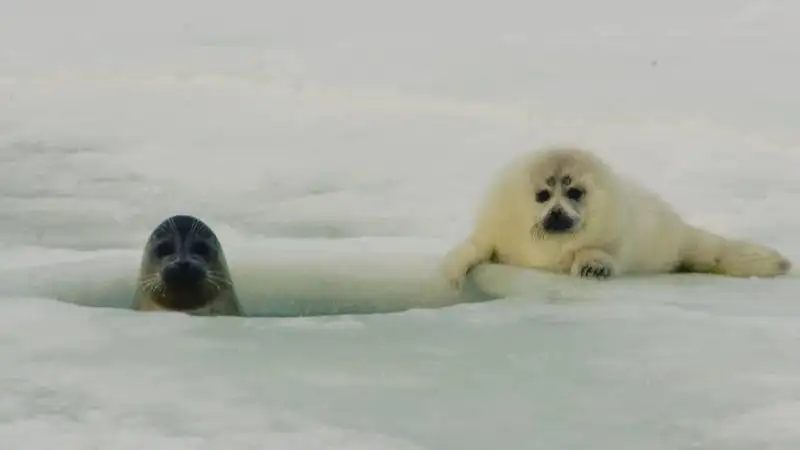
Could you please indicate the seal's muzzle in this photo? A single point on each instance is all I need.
(557, 221)
(183, 274)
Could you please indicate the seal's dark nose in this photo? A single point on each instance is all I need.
(557, 221)
(183, 274)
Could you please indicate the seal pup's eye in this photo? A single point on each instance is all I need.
(200, 249)
(575, 194)
(164, 249)
(543, 196)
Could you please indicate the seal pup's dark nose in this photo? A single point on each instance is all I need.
(557, 221)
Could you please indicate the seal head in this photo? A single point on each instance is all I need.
(184, 269)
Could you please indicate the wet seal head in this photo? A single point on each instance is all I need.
(183, 269)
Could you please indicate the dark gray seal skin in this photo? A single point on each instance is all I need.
(183, 269)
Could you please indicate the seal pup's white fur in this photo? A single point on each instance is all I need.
(563, 209)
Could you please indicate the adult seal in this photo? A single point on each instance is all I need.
(183, 269)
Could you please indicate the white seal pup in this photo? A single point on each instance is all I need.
(183, 268)
(563, 209)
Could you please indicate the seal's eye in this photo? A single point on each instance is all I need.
(575, 194)
(164, 249)
(543, 196)
(200, 249)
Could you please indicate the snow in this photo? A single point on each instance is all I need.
(374, 127)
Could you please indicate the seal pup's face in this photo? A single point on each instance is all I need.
(183, 266)
(566, 187)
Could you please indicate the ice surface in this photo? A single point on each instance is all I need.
(379, 124)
